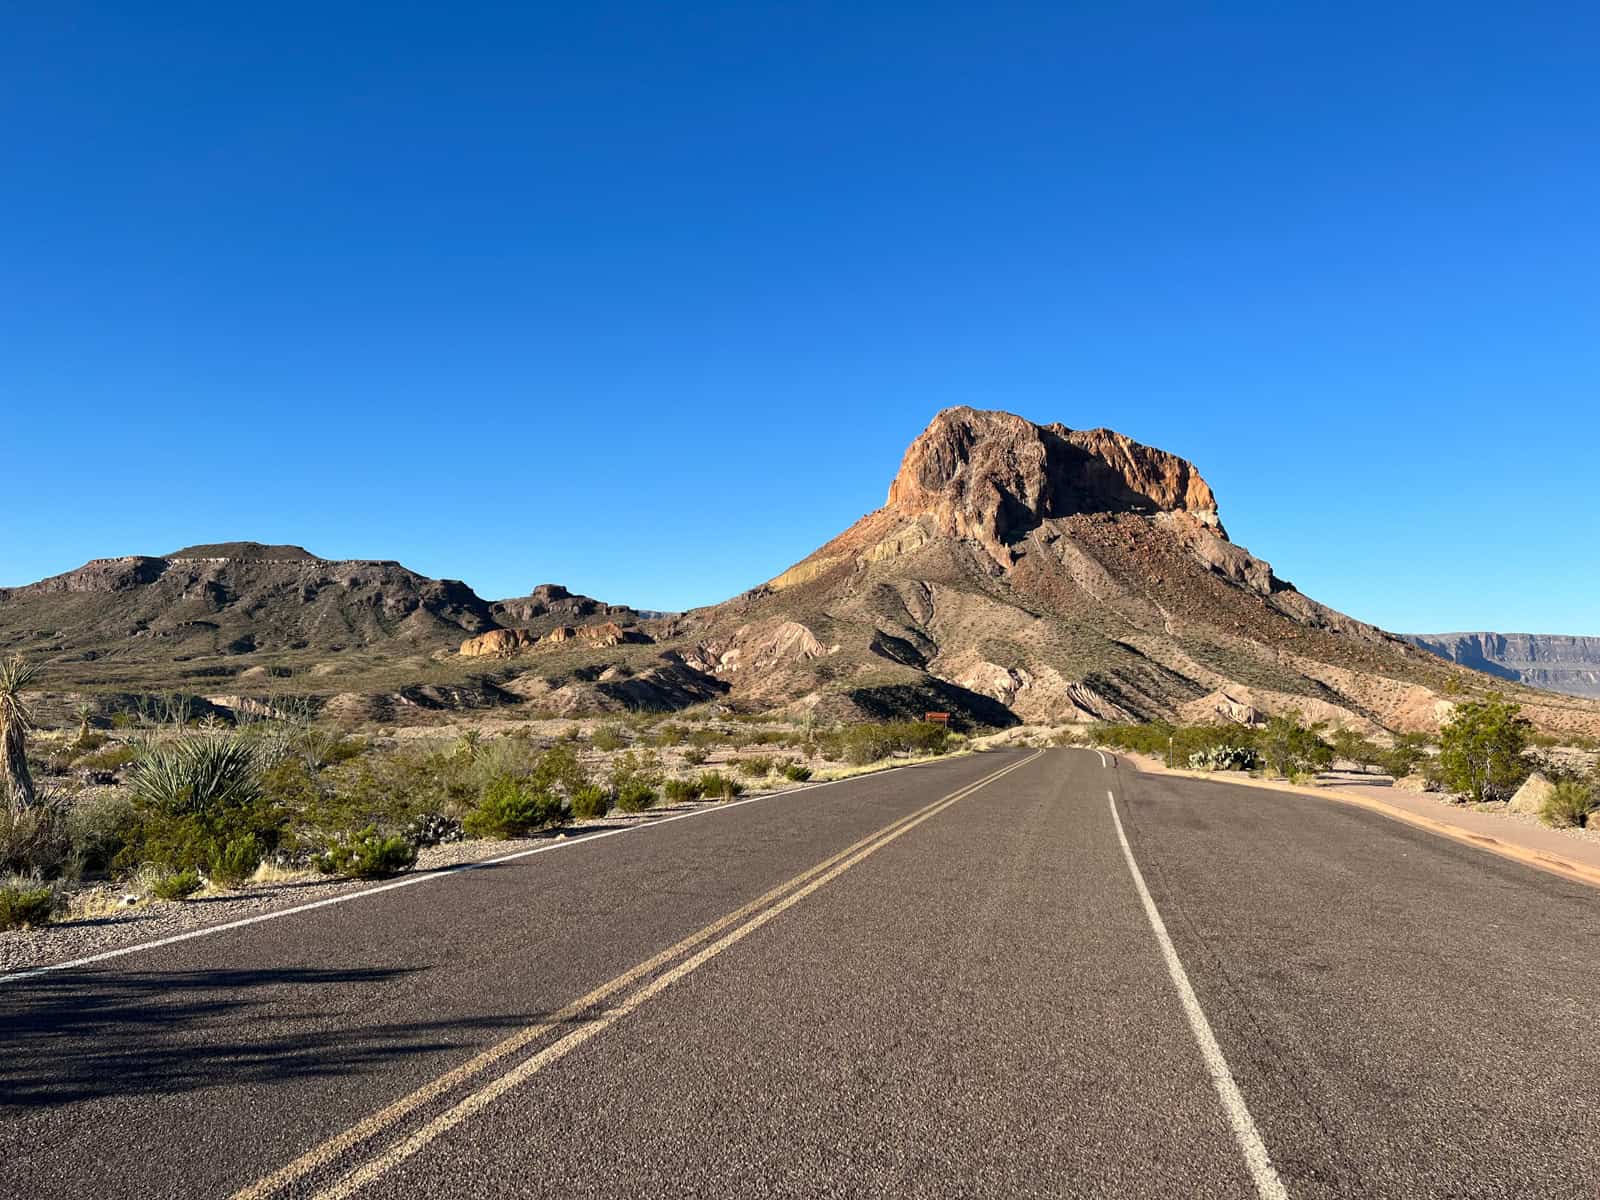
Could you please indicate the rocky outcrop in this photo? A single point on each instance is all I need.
(504, 643)
(1557, 662)
(497, 643)
(992, 477)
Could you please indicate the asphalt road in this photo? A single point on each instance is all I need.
(912, 984)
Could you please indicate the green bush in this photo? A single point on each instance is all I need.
(25, 907)
(99, 825)
(1151, 738)
(796, 773)
(233, 861)
(197, 776)
(874, 741)
(1482, 749)
(176, 885)
(35, 840)
(1569, 803)
(756, 767)
(199, 803)
(1290, 748)
(367, 855)
(695, 756)
(609, 737)
(589, 802)
(635, 796)
(511, 807)
(1406, 756)
(716, 786)
(681, 791)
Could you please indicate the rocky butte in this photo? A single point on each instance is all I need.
(1037, 572)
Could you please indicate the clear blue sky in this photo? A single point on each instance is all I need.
(648, 299)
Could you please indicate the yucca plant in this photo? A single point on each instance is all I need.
(16, 722)
(197, 776)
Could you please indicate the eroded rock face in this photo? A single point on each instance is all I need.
(993, 476)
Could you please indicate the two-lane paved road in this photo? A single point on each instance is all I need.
(942, 981)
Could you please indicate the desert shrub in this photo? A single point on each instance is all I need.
(589, 802)
(1151, 738)
(1569, 803)
(89, 739)
(636, 796)
(706, 739)
(107, 758)
(755, 767)
(635, 779)
(1353, 747)
(716, 786)
(367, 854)
(1406, 756)
(695, 756)
(669, 734)
(512, 807)
(176, 885)
(229, 863)
(871, 742)
(1290, 748)
(796, 773)
(1218, 742)
(199, 803)
(681, 791)
(25, 905)
(123, 719)
(1482, 749)
(99, 825)
(609, 737)
(35, 840)
(196, 776)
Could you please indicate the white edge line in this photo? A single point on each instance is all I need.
(419, 877)
(1256, 1158)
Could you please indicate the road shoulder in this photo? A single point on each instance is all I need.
(1575, 859)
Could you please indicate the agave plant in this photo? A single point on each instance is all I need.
(16, 722)
(197, 776)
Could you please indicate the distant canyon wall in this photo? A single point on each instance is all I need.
(1556, 662)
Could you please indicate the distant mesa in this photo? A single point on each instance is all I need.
(246, 552)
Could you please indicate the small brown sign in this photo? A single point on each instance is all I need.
(938, 718)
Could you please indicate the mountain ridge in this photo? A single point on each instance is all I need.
(1015, 572)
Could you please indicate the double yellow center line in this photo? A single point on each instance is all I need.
(586, 1013)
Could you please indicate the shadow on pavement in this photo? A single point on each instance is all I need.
(77, 1036)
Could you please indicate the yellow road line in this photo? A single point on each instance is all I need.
(332, 1149)
(477, 1101)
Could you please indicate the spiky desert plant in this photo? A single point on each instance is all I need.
(198, 776)
(84, 711)
(16, 722)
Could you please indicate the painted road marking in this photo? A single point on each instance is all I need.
(1256, 1158)
(408, 881)
(329, 1151)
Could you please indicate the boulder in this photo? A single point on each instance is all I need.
(1531, 795)
(1412, 783)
